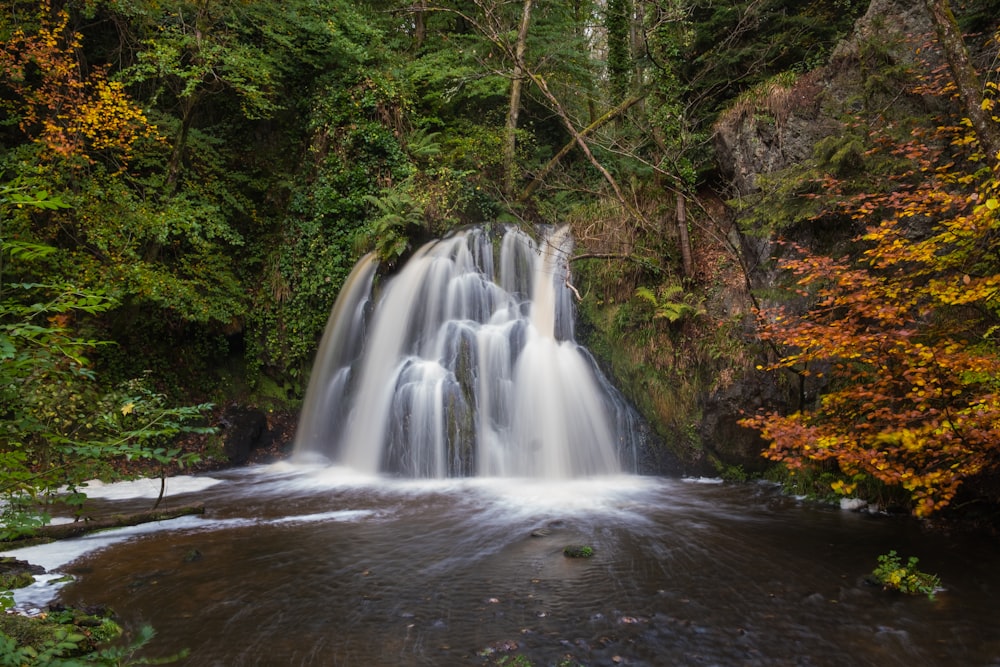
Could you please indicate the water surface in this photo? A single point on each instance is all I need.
(312, 566)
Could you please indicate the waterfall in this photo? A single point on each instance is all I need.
(464, 363)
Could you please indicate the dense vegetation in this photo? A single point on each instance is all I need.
(184, 186)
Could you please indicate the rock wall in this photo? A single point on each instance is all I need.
(777, 129)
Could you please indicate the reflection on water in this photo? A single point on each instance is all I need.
(309, 567)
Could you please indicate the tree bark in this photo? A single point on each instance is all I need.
(970, 87)
(510, 132)
(61, 531)
(419, 24)
(683, 238)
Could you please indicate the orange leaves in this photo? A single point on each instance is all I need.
(905, 331)
(68, 109)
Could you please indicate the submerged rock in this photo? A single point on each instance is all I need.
(578, 551)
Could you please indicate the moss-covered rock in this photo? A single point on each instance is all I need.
(16, 573)
(578, 551)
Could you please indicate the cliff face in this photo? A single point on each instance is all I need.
(766, 147)
(780, 126)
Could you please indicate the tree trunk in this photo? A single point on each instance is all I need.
(682, 237)
(419, 24)
(510, 132)
(970, 88)
(61, 531)
(593, 127)
(176, 162)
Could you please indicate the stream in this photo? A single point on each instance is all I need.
(299, 565)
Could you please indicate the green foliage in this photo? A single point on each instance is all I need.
(667, 306)
(397, 213)
(892, 574)
(71, 639)
(59, 425)
(355, 155)
(735, 474)
(514, 661)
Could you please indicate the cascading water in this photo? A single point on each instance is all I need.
(465, 364)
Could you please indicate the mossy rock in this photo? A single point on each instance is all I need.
(16, 573)
(578, 551)
(12, 580)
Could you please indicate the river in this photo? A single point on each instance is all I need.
(316, 566)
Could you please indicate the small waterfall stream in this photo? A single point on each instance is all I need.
(465, 364)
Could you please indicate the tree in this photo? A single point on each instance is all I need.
(69, 111)
(514, 110)
(906, 333)
(978, 108)
(60, 427)
(618, 24)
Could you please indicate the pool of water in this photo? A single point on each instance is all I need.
(313, 566)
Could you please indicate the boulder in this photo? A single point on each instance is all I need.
(244, 430)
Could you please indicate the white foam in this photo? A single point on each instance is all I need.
(147, 487)
(337, 515)
(853, 504)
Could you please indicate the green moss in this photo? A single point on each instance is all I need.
(16, 580)
(578, 551)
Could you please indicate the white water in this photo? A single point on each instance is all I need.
(456, 368)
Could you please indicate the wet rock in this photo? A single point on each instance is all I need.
(16, 573)
(578, 551)
(244, 430)
(9, 564)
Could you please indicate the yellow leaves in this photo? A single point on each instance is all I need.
(128, 408)
(965, 290)
(905, 328)
(67, 112)
(843, 488)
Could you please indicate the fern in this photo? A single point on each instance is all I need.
(668, 306)
(397, 212)
(422, 144)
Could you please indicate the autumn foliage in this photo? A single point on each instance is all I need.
(904, 333)
(72, 110)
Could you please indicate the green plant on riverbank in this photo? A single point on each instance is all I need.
(892, 574)
(70, 638)
(58, 425)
